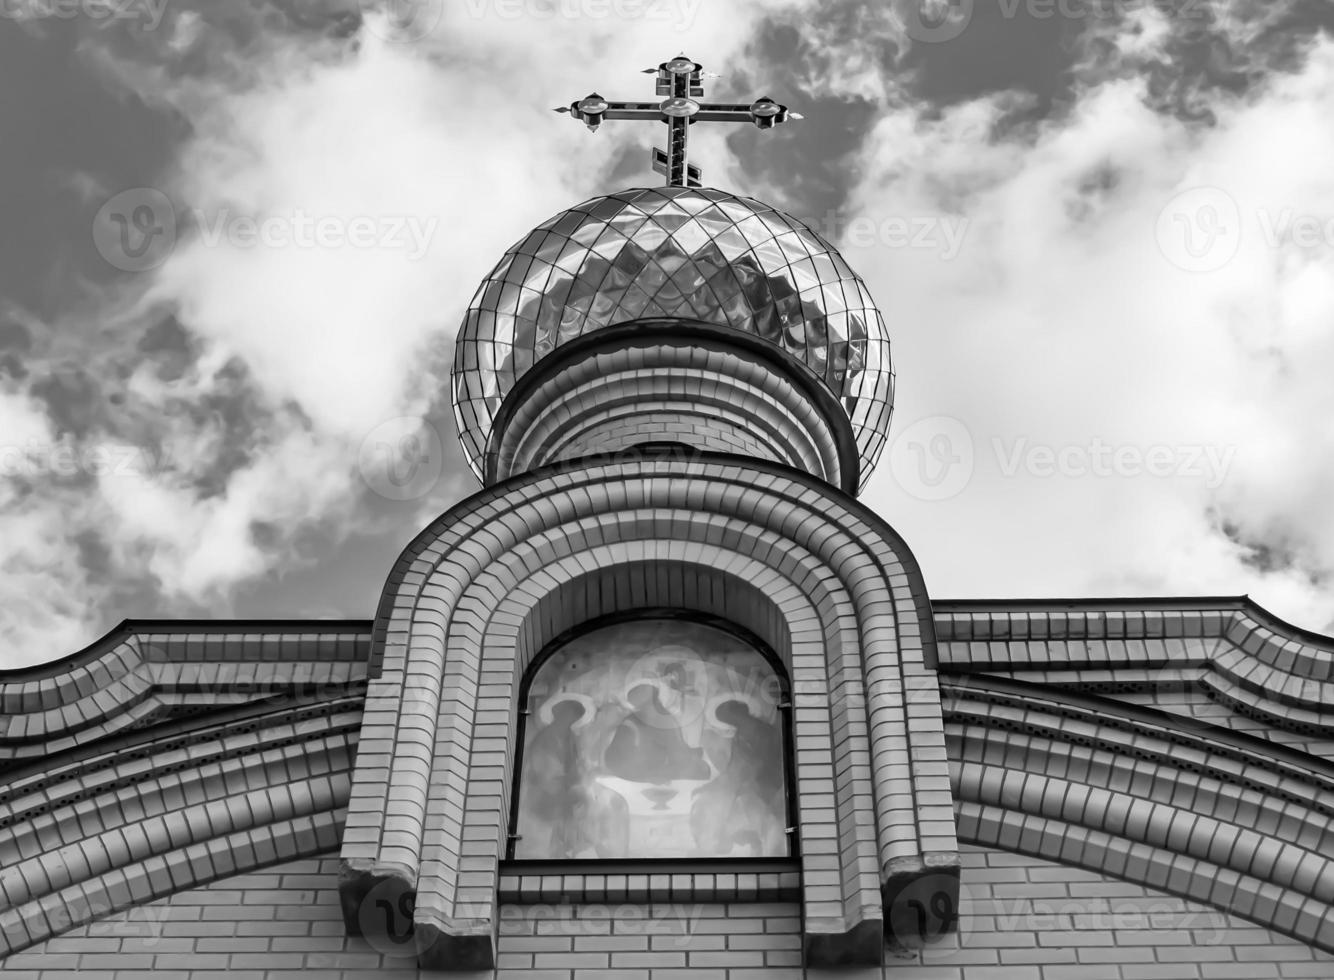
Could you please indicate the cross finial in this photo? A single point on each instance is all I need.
(681, 81)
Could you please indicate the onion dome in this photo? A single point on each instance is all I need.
(687, 252)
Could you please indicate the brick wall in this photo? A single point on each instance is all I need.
(1028, 919)
(1023, 919)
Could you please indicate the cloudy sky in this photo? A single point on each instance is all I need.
(238, 239)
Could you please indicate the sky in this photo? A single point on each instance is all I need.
(238, 240)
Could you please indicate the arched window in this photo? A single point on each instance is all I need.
(653, 737)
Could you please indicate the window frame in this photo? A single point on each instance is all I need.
(677, 865)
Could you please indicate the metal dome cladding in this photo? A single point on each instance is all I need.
(691, 252)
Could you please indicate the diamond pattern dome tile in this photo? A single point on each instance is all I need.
(690, 252)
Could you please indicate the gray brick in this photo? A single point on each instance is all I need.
(651, 960)
(572, 961)
(1083, 971)
(1237, 971)
(1159, 971)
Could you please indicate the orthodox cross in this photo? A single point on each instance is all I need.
(681, 81)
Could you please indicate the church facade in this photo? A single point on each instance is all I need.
(664, 699)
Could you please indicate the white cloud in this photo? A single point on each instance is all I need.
(40, 571)
(313, 348)
(1059, 321)
(199, 547)
(1064, 322)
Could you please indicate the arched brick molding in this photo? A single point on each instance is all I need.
(726, 584)
(152, 813)
(1195, 810)
(147, 672)
(1029, 917)
(1222, 658)
(464, 608)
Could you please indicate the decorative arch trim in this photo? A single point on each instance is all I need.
(145, 672)
(473, 598)
(1197, 811)
(163, 812)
